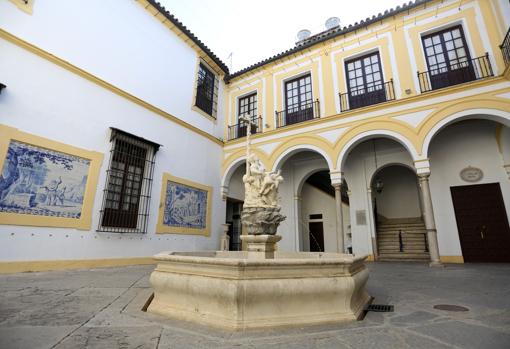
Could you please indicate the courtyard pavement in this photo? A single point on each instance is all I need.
(101, 308)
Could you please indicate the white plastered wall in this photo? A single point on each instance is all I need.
(399, 197)
(314, 201)
(121, 43)
(46, 100)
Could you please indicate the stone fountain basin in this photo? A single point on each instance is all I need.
(228, 290)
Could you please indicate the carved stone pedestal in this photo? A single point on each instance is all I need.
(261, 246)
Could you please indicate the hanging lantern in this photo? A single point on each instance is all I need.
(378, 185)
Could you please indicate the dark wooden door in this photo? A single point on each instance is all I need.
(316, 236)
(482, 222)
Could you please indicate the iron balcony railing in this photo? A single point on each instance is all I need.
(294, 115)
(454, 74)
(505, 48)
(365, 96)
(241, 129)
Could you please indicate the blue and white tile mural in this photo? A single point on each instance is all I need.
(38, 181)
(185, 206)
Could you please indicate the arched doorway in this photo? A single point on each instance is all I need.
(470, 188)
(363, 162)
(318, 213)
(400, 229)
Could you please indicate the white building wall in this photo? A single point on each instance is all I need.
(121, 43)
(399, 197)
(470, 143)
(48, 101)
(315, 201)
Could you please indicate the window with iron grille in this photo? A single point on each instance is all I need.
(248, 105)
(365, 80)
(298, 99)
(126, 196)
(448, 58)
(207, 90)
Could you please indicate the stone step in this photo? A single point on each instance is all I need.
(406, 246)
(401, 225)
(404, 239)
(404, 256)
(380, 231)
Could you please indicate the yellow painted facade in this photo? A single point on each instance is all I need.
(398, 40)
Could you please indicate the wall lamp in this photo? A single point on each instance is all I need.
(2, 86)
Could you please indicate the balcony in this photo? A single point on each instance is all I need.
(295, 115)
(241, 129)
(363, 97)
(458, 73)
(505, 48)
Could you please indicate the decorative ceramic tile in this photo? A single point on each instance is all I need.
(39, 181)
(185, 206)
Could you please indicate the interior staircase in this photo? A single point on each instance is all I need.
(402, 240)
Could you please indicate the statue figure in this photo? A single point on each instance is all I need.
(269, 188)
(261, 213)
(253, 181)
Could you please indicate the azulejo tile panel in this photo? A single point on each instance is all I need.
(44, 182)
(38, 181)
(185, 207)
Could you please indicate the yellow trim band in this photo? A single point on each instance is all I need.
(452, 259)
(94, 79)
(31, 266)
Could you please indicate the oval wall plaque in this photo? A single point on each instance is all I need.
(471, 174)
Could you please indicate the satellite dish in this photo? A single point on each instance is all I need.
(303, 34)
(332, 22)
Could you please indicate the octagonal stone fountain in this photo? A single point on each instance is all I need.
(260, 287)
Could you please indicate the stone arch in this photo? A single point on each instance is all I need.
(377, 133)
(444, 118)
(235, 160)
(310, 173)
(286, 150)
(389, 164)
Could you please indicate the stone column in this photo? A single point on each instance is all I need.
(372, 233)
(224, 193)
(339, 218)
(298, 222)
(428, 216)
(336, 182)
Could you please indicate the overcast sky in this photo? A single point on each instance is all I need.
(255, 30)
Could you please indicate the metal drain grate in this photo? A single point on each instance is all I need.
(380, 308)
(450, 307)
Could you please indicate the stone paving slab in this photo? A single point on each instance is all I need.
(101, 308)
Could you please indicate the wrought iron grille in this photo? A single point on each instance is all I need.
(126, 197)
(375, 94)
(304, 112)
(206, 90)
(505, 48)
(240, 129)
